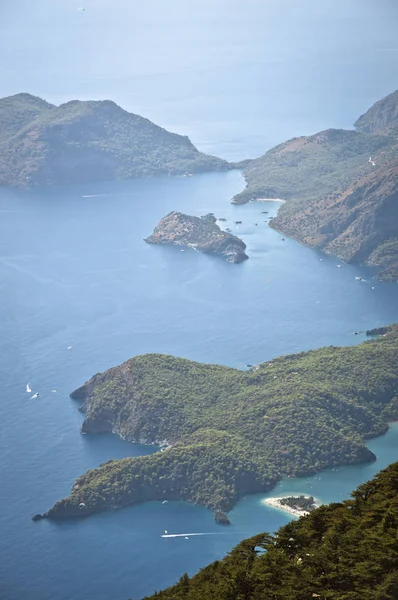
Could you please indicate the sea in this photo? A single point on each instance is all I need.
(81, 291)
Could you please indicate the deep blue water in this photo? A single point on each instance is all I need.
(237, 77)
(74, 271)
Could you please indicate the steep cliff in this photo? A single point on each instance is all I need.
(43, 144)
(358, 224)
(341, 187)
(381, 117)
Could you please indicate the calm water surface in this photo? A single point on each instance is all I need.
(74, 271)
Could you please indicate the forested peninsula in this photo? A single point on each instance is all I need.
(78, 142)
(344, 551)
(227, 432)
(341, 188)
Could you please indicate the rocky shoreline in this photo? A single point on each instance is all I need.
(199, 233)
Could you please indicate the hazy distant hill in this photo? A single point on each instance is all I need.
(43, 144)
(342, 188)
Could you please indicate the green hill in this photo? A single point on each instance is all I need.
(344, 551)
(341, 188)
(229, 432)
(43, 144)
(311, 167)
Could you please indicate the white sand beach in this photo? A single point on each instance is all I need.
(276, 503)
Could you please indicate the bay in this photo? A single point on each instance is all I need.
(74, 271)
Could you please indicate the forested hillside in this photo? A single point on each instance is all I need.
(229, 432)
(341, 188)
(344, 551)
(77, 142)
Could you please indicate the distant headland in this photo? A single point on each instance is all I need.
(79, 142)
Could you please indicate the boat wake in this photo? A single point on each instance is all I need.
(175, 535)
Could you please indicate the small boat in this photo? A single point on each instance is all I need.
(222, 219)
(358, 278)
(339, 266)
(35, 396)
(264, 212)
(283, 239)
(256, 223)
(165, 502)
(249, 366)
(69, 347)
(182, 250)
(238, 222)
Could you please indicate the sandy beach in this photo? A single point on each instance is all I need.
(275, 503)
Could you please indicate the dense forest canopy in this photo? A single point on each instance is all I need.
(344, 551)
(229, 432)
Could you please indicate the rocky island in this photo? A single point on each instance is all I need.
(77, 142)
(231, 432)
(341, 188)
(200, 233)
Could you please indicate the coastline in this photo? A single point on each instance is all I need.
(269, 200)
(275, 503)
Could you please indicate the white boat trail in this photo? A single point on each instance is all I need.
(175, 535)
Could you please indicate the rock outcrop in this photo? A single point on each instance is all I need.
(200, 233)
(221, 518)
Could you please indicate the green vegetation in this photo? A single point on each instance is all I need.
(42, 144)
(302, 502)
(341, 188)
(344, 551)
(308, 168)
(231, 432)
(386, 255)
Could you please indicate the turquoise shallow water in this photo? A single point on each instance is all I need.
(74, 271)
